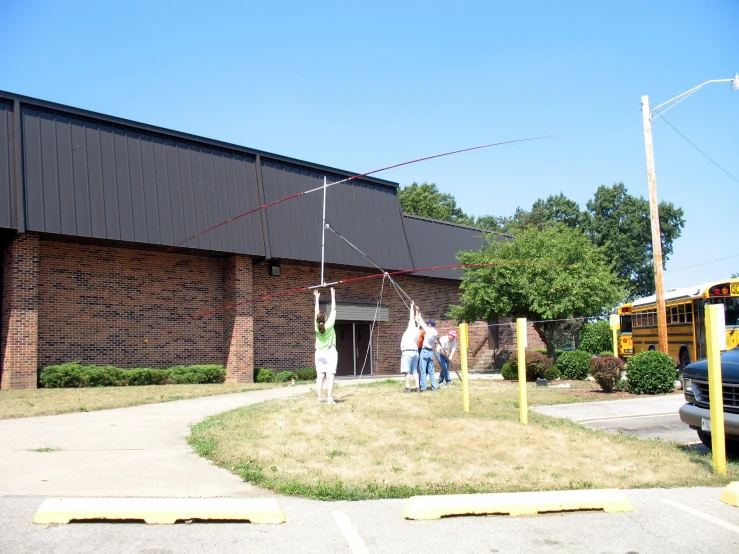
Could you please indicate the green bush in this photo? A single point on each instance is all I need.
(64, 376)
(651, 372)
(306, 374)
(607, 371)
(73, 375)
(264, 375)
(574, 365)
(537, 365)
(596, 337)
(509, 372)
(557, 352)
(606, 354)
(284, 376)
(553, 374)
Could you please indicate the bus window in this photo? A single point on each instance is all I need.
(681, 313)
(673, 313)
(688, 313)
(731, 312)
(626, 323)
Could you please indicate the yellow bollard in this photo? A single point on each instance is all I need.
(714, 318)
(615, 326)
(463, 345)
(522, 343)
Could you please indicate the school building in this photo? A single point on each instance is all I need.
(94, 214)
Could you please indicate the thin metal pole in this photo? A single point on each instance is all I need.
(656, 234)
(323, 231)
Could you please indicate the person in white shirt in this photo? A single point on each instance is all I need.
(409, 350)
(427, 353)
(445, 350)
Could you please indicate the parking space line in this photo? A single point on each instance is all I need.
(356, 544)
(697, 513)
(616, 418)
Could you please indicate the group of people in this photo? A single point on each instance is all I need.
(419, 344)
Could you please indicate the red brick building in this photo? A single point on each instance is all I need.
(95, 217)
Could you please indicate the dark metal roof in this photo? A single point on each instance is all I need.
(94, 176)
(368, 215)
(435, 243)
(6, 165)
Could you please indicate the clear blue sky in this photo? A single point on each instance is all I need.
(362, 85)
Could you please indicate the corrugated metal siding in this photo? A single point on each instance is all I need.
(435, 243)
(357, 312)
(6, 165)
(92, 179)
(368, 215)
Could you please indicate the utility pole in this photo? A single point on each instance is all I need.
(656, 234)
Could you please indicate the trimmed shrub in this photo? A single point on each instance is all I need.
(596, 337)
(77, 375)
(509, 372)
(553, 374)
(574, 365)
(651, 372)
(306, 374)
(264, 375)
(142, 376)
(607, 371)
(537, 365)
(606, 354)
(63, 376)
(284, 376)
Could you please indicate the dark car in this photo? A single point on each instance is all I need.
(696, 412)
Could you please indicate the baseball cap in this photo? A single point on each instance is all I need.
(431, 322)
(453, 334)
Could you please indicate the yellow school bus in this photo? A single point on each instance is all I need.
(686, 331)
(625, 342)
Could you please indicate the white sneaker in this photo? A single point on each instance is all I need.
(330, 401)
(320, 400)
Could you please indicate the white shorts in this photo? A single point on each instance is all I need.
(409, 361)
(326, 360)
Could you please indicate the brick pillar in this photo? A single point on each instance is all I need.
(238, 321)
(20, 302)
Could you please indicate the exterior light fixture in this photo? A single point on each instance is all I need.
(275, 270)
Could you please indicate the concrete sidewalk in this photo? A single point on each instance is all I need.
(137, 451)
(648, 417)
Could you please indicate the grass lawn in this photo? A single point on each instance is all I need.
(379, 443)
(37, 402)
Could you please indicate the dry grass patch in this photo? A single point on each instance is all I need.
(378, 443)
(37, 402)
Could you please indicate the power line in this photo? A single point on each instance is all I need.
(704, 263)
(714, 162)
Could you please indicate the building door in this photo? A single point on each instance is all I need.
(352, 345)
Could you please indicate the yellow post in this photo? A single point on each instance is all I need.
(463, 344)
(521, 342)
(714, 318)
(615, 326)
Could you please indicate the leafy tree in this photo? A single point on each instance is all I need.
(557, 208)
(734, 275)
(542, 275)
(426, 200)
(596, 337)
(620, 224)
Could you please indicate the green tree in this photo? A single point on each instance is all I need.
(620, 224)
(542, 275)
(559, 209)
(426, 200)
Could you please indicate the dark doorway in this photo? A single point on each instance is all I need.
(353, 345)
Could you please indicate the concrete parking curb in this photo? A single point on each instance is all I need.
(730, 495)
(160, 510)
(516, 504)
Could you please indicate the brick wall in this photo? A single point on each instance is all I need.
(65, 302)
(129, 308)
(284, 335)
(20, 313)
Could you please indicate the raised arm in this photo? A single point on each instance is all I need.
(332, 316)
(412, 318)
(317, 294)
